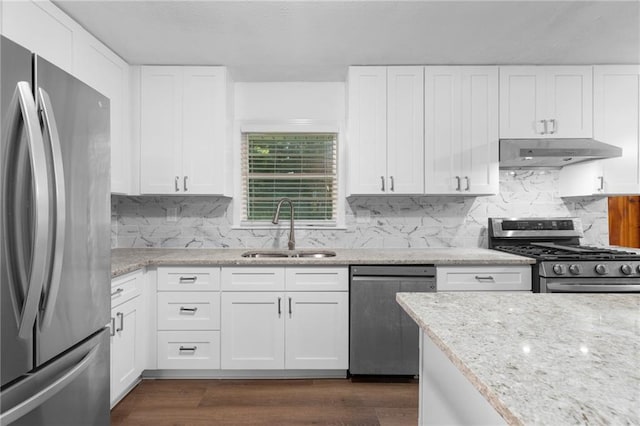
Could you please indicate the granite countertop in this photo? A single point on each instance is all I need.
(541, 358)
(127, 260)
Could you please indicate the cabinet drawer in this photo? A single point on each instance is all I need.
(484, 278)
(126, 287)
(189, 311)
(317, 279)
(188, 279)
(252, 278)
(188, 350)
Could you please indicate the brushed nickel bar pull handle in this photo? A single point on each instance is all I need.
(113, 327)
(175, 182)
(185, 183)
(279, 308)
(382, 183)
(553, 127)
(121, 316)
(118, 291)
(601, 179)
(290, 312)
(190, 310)
(468, 184)
(187, 348)
(459, 184)
(392, 185)
(189, 280)
(485, 278)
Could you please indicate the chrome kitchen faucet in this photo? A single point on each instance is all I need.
(276, 215)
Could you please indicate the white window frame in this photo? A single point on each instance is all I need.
(288, 126)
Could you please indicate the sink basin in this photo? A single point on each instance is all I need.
(289, 253)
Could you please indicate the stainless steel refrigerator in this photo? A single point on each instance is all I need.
(55, 251)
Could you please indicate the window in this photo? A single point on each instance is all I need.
(298, 166)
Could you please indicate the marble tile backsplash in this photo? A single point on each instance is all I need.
(385, 222)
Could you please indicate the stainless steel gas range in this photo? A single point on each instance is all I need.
(563, 265)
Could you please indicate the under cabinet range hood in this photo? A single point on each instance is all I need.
(552, 153)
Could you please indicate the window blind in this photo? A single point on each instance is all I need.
(298, 166)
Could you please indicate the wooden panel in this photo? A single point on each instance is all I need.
(624, 221)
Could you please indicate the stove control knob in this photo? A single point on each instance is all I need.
(601, 269)
(559, 269)
(575, 269)
(626, 269)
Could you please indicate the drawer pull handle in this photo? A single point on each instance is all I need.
(117, 292)
(188, 348)
(485, 278)
(279, 307)
(190, 310)
(188, 279)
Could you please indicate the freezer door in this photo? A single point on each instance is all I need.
(76, 300)
(17, 207)
(72, 390)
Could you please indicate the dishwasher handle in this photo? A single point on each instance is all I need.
(390, 279)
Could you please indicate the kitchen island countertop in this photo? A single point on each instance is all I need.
(541, 358)
(127, 260)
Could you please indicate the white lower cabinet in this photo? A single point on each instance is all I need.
(273, 329)
(484, 278)
(128, 326)
(188, 318)
(252, 331)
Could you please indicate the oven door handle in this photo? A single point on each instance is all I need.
(600, 288)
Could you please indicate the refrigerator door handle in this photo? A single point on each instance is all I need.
(59, 212)
(23, 106)
(29, 404)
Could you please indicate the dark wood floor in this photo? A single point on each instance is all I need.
(269, 402)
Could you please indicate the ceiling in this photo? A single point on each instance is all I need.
(316, 40)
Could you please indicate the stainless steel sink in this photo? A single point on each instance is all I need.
(289, 253)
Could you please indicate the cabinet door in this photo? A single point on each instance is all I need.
(161, 130)
(479, 143)
(616, 118)
(522, 104)
(126, 346)
(442, 138)
(252, 331)
(569, 105)
(367, 115)
(204, 130)
(107, 73)
(405, 130)
(317, 325)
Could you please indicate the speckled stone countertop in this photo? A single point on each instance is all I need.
(127, 260)
(543, 359)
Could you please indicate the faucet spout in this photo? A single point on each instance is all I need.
(276, 216)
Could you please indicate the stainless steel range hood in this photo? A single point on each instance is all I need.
(552, 153)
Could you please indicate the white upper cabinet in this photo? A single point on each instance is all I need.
(616, 119)
(41, 27)
(386, 141)
(183, 130)
(546, 102)
(461, 130)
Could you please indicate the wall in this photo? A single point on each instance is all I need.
(370, 221)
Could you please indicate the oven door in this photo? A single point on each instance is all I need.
(589, 285)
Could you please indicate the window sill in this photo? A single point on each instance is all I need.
(296, 227)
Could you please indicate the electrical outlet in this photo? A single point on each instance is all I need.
(172, 214)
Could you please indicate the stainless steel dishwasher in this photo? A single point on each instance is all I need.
(383, 338)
